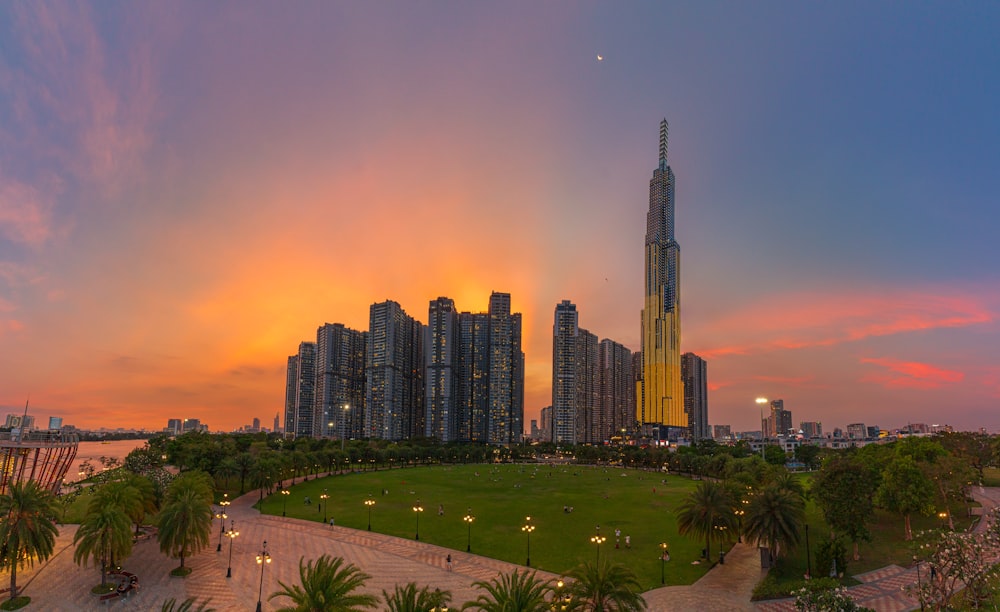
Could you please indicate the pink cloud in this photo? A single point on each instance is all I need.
(814, 320)
(910, 374)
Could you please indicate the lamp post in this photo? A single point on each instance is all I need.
(263, 558)
(231, 534)
(527, 528)
(284, 500)
(370, 503)
(322, 500)
(809, 569)
(468, 518)
(598, 539)
(663, 560)
(343, 426)
(222, 516)
(417, 509)
(760, 408)
(739, 528)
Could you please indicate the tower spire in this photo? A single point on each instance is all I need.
(663, 144)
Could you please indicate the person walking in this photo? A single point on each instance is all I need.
(618, 537)
(448, 561)
(628, 541)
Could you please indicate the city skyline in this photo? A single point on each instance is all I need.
(187, 192)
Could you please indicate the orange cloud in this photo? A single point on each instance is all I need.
(910, 374)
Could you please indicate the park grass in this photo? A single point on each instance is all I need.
(991, 477)
(501, 496)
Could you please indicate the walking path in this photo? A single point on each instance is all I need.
(60, 584)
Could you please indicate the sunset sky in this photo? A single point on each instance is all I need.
(189, 189)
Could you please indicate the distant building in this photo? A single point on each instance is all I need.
(506, 382)
(694, 373)
(617, 403)
(565, 330)
(779, 422)
(256, 425)
(340, 381)
(441, 370)
(300, 392)
(857, 431)
(55, 422)
(191, 425)
(394, 398)
(811, 429)
(873, 431)
(174, 427)
(722, 432)
(277, 423)
(545, 430)
(20, 422)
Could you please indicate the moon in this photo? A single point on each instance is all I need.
(600, 57)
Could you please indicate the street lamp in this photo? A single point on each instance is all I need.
(263, 558)
(231, 534)
(663, 560)
(527, 528)
(343, 426)
(739, 529)
(468, 518)
(417, 509)
(598, 539)
(760, 408)
(222, 516)
(322, 500)
(370, 503)
(284, 497)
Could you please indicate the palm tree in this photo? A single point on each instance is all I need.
(186, 518)
(104, 535)
(608, 587)
(327, 584)
(775, 517)
(514, 592)
(226, 469)
(187, 605)
(708, 512)
(409, 599)
(26, 527)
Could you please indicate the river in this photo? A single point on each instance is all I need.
(93, 451)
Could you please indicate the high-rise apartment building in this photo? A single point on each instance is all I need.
(300, 392)
(565, 330)
(857, 431)
(722, 432)
(441, 372)
(617, 403)
(779, 421)
(340, 381)
(694, 373)
(506, 368)
(474, 376)
(662, 400)
(588, 389)
(394, 399)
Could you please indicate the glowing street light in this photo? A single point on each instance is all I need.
(231, 534)
(222, 516)
(598, 539)
(760, 408)
(417, 509)
(527, 528)
(322, 500)
(263, 558)
(370, 503)
(664, 555)
(284, 500)
(468, 518)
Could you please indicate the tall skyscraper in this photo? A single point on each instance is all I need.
(617, 405)
(340, 381)
(694, 373)
(441, 372)
(662, 389)
(779, 421)
(565, 331)
(506, 379)
(291, 373)
(588, 389)
(474, 375)
(303, 396)
(394, 400)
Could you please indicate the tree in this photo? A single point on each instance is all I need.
(905, 490)
(327, 584)
(608, 587)
(104, 535)
(707, 512)
(408, 598)
(186, 518)
(513, 592)
(775, 455)
(845, 492)
(808, 454)
(26, 527)
(775, 518)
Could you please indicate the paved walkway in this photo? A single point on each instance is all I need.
(60, 584)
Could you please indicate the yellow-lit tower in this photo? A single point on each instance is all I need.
(662, 397)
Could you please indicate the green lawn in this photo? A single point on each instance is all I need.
(501, 496)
